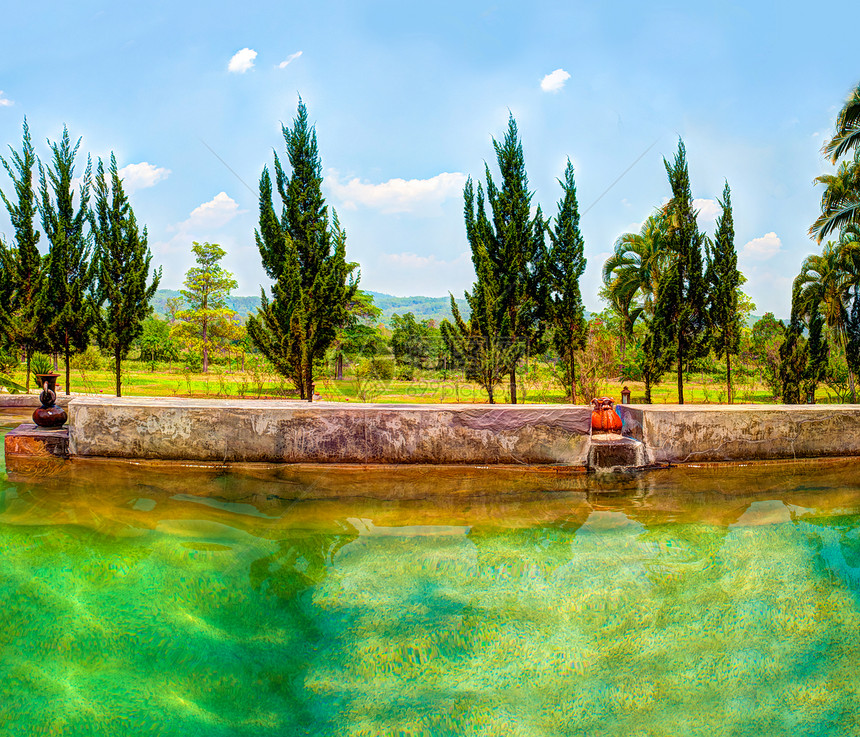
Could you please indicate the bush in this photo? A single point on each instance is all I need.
(405, 372)
(90, 360)
(8, 362)
(380, 368)
(40, 364)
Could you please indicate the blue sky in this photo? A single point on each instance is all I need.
(406, 98)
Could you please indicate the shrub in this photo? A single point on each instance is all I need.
(90, 360)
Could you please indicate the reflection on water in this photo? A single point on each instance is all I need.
(171, 601)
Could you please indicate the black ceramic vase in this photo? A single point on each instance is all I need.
(49, 415)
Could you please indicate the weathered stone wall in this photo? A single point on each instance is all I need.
(327, 432)
(741, 432)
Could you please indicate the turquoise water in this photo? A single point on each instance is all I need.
(160, 601)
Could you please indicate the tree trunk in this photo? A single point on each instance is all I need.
(27, 375)
(851, 383)
(729, 378)
(680, 380)
(490, 394)
(309, 379)
(339, 376)
(205, 347)
(56, 364)
(571, 371)
(647, 390)
(117, 364)
(66, 356)
(514, 384)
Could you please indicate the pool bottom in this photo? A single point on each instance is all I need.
(265, 603)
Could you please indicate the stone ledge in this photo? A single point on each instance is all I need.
(742, 432)
(328, 432)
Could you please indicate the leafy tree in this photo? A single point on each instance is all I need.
(122, 259)
(64, 303)
(508, 253)
(765, 340)
(22, 263)
(360, 313)
(565, 266)
(410, 340)
(724, 281)
(680, 317)
(207, 323)
(304, 253)
(155, 343)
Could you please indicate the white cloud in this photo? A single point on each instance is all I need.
(5, 101)
(763, 248)
(219, 211)
(397, 195)
(291, 57)
(554, 81)
(708, 210)
(142, 176)
(205, 218)
(242, 61)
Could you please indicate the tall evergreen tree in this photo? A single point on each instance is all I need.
(304, 253)
(478, 342)
(122, 262)
(817, 354)
(65, 301)
(680, 316)
(509, 255)
(792, 352)
(723, 281)
(22, 261)
(565, 266)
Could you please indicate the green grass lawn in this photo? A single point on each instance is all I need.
(220, 382)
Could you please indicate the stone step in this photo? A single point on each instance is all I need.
(610, 452)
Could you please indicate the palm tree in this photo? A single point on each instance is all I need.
(631, 276)
(847, 136)
(840, 204)
(824, 284)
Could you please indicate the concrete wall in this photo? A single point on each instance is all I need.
(297, 432)
(701, 433)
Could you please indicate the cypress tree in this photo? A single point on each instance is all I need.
(304, 253)
(852, 330)
(509, 254)
(22, 262)
(680, 317)
(817, 354)
(478, 342)
(723, 280)
(792, 352)
(122, 263)
(65, 301)
(565, 266)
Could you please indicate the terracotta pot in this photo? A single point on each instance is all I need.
(604, 418)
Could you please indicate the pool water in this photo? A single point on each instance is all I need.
(180, 601)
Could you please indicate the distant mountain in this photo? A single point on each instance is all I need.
(243, 305)
(424, 308)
